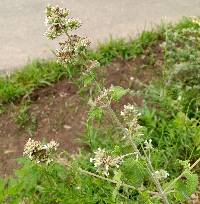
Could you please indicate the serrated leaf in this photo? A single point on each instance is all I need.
(134, 172)
(117, 92)
(184, 189)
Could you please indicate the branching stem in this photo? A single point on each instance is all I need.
(107, 179)
(134, 146)
(170, 186)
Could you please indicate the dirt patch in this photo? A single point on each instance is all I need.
(58, 112)
(132, 73)
(135, 74)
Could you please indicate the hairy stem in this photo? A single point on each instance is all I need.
(136, 150)
(106, 179)
(124, 130)
(134, 146)
(156, 181)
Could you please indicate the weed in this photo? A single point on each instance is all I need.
(23, 116)
(25, 119)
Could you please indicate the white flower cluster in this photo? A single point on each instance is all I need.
(58, 22)
(148, 144)
(130, 115)
(81, 46)
(104, 163)
(104, 97)
(91, 65)
(40, 153)
(161, 174)
(72, 48)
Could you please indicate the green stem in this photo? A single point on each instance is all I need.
(169, 187)
(136, 150)
(51, 181)
(107, 179)
(156, 182)
(126, 133)
(149, 165)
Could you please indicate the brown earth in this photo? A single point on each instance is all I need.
(59, 112)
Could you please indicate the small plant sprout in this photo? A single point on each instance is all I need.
(40, 153)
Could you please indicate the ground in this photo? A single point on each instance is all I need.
(59, 112)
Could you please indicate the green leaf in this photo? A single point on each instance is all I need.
(1, 190)
(184, 189)
(95, 113)
(144, 197)
(117, 177)
(134, 172)
(88, 79)
(117, 92)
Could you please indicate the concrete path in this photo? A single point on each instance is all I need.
(22, 23)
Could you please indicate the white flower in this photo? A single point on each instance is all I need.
(161, 174)
(73, 23)
(52, 145)
(130, 116)
(81, 45)
(58, 22)
(71, 48)
(104, 97)
(104, 163)
(148, 144)
(38, 152)
(90, 66)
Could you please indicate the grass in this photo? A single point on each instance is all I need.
(28, 79)
(25, 119)
(41, 73)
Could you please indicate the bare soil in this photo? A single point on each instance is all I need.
(59, 112)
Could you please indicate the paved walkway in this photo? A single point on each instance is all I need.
(22, 23)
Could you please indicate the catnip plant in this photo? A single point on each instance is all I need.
(106, 166)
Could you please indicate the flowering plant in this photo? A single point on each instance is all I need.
(124, 173)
